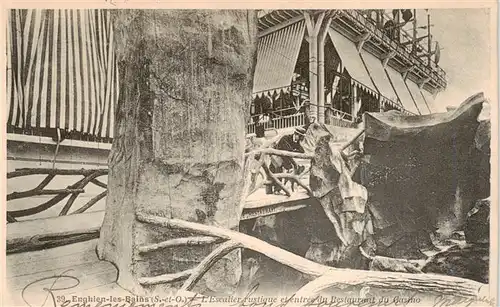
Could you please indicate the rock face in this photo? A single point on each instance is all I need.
(470, 260)
(477, 226)
(186, 79)
(340, 222)
(286, 230)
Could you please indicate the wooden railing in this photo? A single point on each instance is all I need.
(337, 118)
(287, 121)
(257, 163)
(74, 190)
(259, 166)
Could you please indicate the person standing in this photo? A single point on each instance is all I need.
(279, 164)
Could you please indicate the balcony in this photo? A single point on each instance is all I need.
(352, 24)
(355, 23)
(282, 122)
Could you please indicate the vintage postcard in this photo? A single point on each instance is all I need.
(224, 154)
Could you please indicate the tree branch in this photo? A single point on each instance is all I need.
(39, 242)
(78, 185)
(45, 182)
(276, 180)
(92, 202)
(10, 219)
(71, 200)
(50, 171)
(282, 153)
(296, 179)
(427, 283)
(165, 278)
(330, 277)
(303, 265)
(189, 241)
(352, 140)
(208, 262)
(99, 183)
(35, 192)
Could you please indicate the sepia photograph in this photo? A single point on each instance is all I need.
(250, 157)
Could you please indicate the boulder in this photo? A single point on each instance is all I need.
(477, 226)
(469, 261)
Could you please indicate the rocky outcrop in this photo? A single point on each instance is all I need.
(340, 222)
(469, 260)
(477, 226)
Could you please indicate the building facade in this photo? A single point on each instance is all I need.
(331, 66)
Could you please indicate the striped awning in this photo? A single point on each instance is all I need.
(62, 71)
(379, 76)
(351, 60)
(418, 97)
(402, 91)
(277, 55)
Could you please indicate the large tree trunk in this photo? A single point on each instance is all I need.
(186, 79)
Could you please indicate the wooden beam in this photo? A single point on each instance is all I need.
(387, 56)
(280, 26)
(36, 192)
(301, 264)
(14, 137)
(423, 82)
(313, 26)
(249, 214)
(287, 13)
(427, 284)
(413, 41)
(55, 171)
(165, 278)
(361, 39)
(188, 241)
(437, 284)
(265, 22)
(91, 202)
(407, 70)
(208, 262)
(39, 242)
(282, 153)
(31, 234)
(276, 181)
(274, 20)
(99, 183)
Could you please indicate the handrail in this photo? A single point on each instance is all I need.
(74, 190)
(340, 114)
(282, 122)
